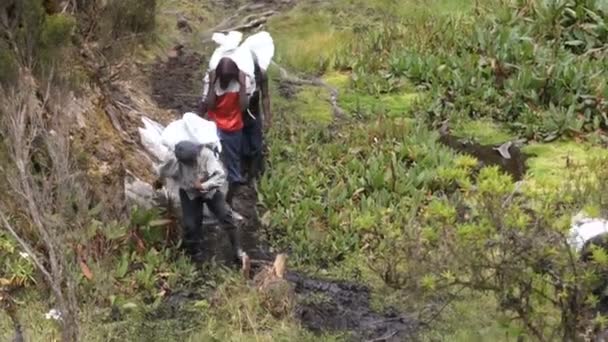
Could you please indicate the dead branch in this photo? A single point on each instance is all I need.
(44, 193)
(383, 338)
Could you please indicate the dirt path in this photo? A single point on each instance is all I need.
(177, 82)
(176, 85)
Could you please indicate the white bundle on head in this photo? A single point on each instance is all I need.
(262, 46)
(227, 41)
(229, 47)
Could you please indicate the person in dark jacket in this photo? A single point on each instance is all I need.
(254, 124)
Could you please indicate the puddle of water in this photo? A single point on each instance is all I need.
(487, 155)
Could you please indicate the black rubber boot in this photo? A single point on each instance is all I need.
(193, 248)
(230, 193)
(234, 235)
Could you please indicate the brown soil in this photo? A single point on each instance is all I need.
(177, 82)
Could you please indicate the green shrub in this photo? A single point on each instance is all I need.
(57, 30)
(126, 17)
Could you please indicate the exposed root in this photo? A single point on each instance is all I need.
(338, 112)
(113, 114)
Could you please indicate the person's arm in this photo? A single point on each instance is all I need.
(266, 100)
(243, 92)
(211, 96)
(212, 167)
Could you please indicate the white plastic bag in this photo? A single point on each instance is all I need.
(584, 229)
(201, 131)
(151, 138)
(262, 46)
(160, 141)
(228, 47)
(173, 134)
(190, 127)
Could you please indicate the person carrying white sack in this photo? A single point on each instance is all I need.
(230, 82)
(197, 170)
(232, 77)
(261, 47)
(188, 150)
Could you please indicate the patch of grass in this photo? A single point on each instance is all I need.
(31, 308)
(391, 105)
(235, 313)
(472, 318)
(340, 80)
(483, 131)
(552, 163)
(397, 104)
(312, 103)
(306, 39)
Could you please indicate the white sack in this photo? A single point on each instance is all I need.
(228, 47)
(193, 128)
(262, 46)
(584, 229)
(201, 131)
(151, 139)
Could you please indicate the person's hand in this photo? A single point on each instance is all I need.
(198, 185)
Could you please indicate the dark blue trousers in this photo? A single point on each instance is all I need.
(232, 147)
(253, 139)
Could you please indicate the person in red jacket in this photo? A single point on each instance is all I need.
(226, 101)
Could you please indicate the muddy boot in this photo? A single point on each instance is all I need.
(193, 248)
(230, 193)
(234, 235)
(233, 191)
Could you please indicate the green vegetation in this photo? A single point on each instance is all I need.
(374, 198)
(380, 200)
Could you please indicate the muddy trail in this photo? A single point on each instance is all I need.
(177, 82)
(345, 306)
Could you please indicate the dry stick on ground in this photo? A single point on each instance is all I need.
(383, 338)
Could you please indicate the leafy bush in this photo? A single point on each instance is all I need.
(34, 39)
(17, 268)
(385, 189)
(126, 17)
(57, 30)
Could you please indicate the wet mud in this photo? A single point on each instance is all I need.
(344, 306)
(488, 155)
(177, 82)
